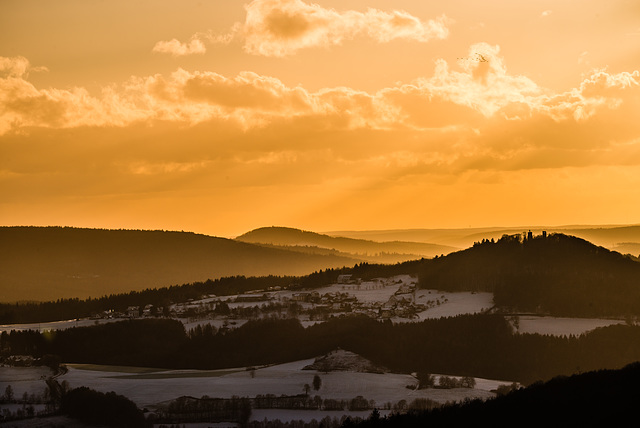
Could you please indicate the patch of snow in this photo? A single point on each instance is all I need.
(561, 326)
(341, 360)
(24, 379)
(287, 415)
(56, 325)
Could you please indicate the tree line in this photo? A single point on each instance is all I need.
(466, 345)
(65, 309)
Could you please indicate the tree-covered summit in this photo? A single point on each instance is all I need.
(555, 274)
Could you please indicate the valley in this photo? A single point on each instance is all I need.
(381, 299)
(198, 351)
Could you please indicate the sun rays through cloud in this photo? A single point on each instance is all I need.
(302, 105)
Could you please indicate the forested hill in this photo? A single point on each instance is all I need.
(290, 237)
(49, 263)
(555, 274)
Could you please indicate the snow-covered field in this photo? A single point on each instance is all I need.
(23, 379)
(55, 325)
(560, 326)
(147, 387)
(452, 304)
(30, 380)
(308, 415)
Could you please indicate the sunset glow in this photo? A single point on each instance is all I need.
(222, 116)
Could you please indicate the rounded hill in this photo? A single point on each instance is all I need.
(555, 274)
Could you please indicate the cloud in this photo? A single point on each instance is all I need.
(480, 88)
(583, 58)
(14, 66)
(177, 48)
(599, 91)
(247, 90)
(601, 83)
(465, 116)
(23, 105)
(485, 86)
(188, 97)
(196, 44)
(18, 66)
(279, 28)
(282, 27)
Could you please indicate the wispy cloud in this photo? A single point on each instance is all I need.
(196, 44)
(14, 66)
(177, 48)
(17, 67)
(283, 27)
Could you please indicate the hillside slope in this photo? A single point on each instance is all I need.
(48, 263)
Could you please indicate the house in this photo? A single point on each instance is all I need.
(391, 303)
(406, 289)
(148, 310)
(385, 313)
(300, 297)
(345, 279)
(313, 297)
(133, 311)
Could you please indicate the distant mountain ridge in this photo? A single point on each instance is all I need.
(610, 236)
(49, 263)
(359, 248)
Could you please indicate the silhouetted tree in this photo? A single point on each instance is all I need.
(8, 394)
(93, 407)
(425, 380)
(317, 382)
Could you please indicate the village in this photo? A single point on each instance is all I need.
(396, 298)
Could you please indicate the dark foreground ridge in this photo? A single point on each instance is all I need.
(603, 398)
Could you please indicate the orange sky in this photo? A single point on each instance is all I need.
(222, 116)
